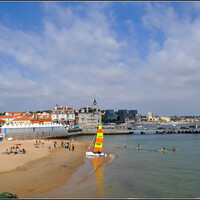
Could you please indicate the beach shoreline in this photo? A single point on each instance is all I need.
(74, 187)
(39, 170)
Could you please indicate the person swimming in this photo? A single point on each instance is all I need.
(174, 148)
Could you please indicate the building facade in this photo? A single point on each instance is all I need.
(89, 116)
(110, 115)
(132, 114)
(63, 115)
(8, 118)
(23, 121)
(150, 116)
(123, 114)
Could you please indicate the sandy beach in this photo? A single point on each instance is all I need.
(40, 169)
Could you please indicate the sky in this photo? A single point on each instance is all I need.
(141, 56)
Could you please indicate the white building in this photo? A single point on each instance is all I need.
(8, 118)
(13, 113)
(63, 115)
(166, 119)
(150, 116)
(89, 116)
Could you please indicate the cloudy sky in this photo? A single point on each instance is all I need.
(127, 55)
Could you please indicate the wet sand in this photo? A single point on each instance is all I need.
(89, 176)
(40, 170)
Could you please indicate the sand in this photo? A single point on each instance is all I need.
(10, 162)
(39, 170)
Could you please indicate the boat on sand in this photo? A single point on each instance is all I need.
(97, 150)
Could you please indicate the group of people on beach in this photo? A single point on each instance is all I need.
(38, 143)
(68, 145)
(15, 150)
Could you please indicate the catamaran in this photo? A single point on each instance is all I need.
(97, 151)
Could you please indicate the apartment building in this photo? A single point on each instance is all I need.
(63, 115)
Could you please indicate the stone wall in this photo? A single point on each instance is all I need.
(93, 131)
(39, 135)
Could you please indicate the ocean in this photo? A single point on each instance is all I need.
(143, 173)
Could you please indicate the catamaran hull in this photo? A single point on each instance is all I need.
(92, 155)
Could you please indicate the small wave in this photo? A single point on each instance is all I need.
(92, 171)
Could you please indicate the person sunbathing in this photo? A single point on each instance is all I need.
(23, 151)
(7, 151)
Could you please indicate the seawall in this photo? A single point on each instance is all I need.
(61, 133)
(38, 135)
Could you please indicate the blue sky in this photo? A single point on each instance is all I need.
(129, 55)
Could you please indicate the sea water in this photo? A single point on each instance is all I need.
(143, 173)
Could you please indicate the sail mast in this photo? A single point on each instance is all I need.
(92, 142)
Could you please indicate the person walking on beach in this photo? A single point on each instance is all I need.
(69, 146)
(125, 145)
(54, 144)
(73, 147)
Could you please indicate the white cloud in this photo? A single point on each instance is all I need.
(69, 60)
(79, 56)
(174, 68)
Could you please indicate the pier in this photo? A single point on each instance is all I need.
(167, 131)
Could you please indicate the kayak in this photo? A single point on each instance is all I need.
(162, 150)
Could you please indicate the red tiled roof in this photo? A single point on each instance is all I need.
(36, 121)
(26, 115)
(24, 118)
(8, 116)
(46, 120)
(14, 112)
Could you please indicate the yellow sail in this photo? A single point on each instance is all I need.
(99, 140)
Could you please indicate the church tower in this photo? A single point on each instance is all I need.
(95, 106)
